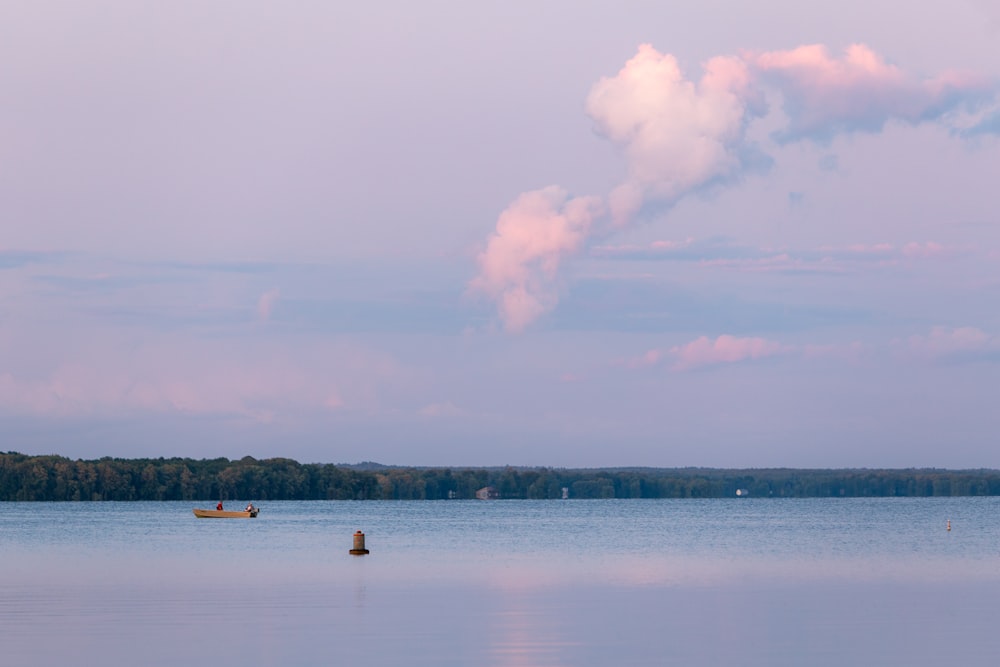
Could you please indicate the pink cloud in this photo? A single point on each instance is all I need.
(650, 358)
(929, 249)
(676, 134)
(533, 235)
(859, 91)
(870, 249)
(725, 349)
(680, 135)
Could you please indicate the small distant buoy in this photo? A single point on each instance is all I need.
(949, 524)
(359, 544)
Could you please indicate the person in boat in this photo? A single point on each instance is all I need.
(219, 506)
(249, 507)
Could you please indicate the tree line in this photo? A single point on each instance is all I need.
(56, 478)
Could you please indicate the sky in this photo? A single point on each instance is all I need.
(568, 234)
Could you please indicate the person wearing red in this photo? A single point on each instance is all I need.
(219, 506)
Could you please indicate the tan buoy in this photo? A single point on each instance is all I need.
(949, 524)
(359, 544)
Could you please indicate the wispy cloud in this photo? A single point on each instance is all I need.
(688, 249)
(705, 351)
(940, 344)
(951, 342)
(725, 349)
(987, 125)
(182, 376)
(720, 252)
(823, 96)
(927, 249)
(650, 358)
(889, 253)
(782, 262)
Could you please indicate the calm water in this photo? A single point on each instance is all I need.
(504, 583)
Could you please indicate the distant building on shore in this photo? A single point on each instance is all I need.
(487, 493)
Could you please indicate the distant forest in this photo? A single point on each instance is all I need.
(56, 478)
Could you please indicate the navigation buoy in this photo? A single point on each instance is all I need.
(949, 524)
(359, 544)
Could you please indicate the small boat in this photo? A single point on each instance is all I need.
(226, 514)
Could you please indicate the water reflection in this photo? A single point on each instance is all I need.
(524, 635)
(777, 584)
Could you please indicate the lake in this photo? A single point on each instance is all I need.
(504, 583)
